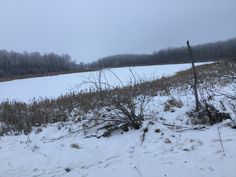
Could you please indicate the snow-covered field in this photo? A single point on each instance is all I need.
(172, 146)
(54, 86)
(172, 152)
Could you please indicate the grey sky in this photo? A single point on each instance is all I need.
(91, 29)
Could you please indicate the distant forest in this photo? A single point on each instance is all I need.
(15, 65)
(204, 52)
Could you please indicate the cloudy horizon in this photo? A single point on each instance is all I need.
(88, 30)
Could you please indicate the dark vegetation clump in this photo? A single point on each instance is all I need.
(67, 170)
(125, 129)
(145, 130)
(208, 115)
(157, 130)
(172, 103)
(143, 135)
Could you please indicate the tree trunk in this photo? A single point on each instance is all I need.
(195, 84)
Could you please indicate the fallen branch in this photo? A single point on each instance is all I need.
(174, 126)
(193, 128)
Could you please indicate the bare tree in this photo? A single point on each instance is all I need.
(195, 84)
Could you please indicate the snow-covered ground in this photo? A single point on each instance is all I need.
(190, 153)
(171, 147)
(172, 151)
(54, 86)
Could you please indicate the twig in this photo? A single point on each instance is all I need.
(183, 128)
(221, 143)
(135, 80)
(193, 128)
(175, 126)
(138, 171)
(114, 74)
(142, 138)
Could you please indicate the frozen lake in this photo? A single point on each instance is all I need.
(54, 86)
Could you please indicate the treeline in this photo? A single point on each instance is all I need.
(204, 52)
(16, 64)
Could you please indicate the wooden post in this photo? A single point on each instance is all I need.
(195, 84)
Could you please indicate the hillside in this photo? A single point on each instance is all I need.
(90, 134)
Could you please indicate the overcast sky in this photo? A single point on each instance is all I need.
(91, 29)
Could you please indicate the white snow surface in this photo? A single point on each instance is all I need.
(169, 153)
(54, 86)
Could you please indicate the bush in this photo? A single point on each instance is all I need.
(117, 109)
